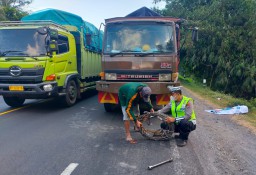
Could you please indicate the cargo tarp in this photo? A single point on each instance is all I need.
(66, 18)
(142, 12)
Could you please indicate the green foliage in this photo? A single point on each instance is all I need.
(13, 14)
(225, 54)
(2, 15)
(11, 10)
(15, 3)
(253, 102)
(186, 79)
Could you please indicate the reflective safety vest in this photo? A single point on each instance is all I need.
(179, 111)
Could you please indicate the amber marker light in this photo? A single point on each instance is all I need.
(102, 75)
(51, 77)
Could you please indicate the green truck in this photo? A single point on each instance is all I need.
(50, 53)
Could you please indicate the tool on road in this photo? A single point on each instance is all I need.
(161, 163)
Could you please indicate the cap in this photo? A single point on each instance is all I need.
(173, 89)
(146, 92)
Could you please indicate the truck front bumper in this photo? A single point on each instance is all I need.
(156, 87)
(30, 91)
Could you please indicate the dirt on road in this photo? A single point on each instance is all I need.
(221, 144)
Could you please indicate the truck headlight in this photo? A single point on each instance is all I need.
(47, 87)
(110, 76)
(165, 77)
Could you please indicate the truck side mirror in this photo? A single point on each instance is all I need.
(88, 39)
(195, 34)
(42, 30)
(53, 34)
(52, 44)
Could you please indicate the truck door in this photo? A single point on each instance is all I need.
(61, 57)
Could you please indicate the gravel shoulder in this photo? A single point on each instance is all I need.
(222, 145)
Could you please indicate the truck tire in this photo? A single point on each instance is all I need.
(14, 101)
(109, 107)
(71, 93)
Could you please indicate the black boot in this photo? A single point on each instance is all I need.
(181, 142)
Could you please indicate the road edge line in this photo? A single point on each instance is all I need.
(12, 110)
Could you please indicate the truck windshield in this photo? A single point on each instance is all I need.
(139, 38)
(21, 42)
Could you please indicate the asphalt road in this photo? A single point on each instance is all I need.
(47, 139)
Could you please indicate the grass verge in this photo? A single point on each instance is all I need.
(222, 100)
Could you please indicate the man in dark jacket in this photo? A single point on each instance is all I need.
(130, 95)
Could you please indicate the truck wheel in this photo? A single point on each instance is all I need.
(109, 107)
(71, 93)
(14, 101)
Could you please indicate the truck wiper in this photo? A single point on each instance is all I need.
(7, 59)
(115, 54)
(35, 58)
(149, 53)
(122, 52)
(9, 51)
(16, 51)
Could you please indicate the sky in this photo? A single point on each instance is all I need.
(94, 11)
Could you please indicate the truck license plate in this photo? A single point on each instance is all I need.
(16, 88)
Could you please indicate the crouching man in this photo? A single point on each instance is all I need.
(183, 115)
(130, 95)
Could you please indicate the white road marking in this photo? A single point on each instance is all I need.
(176, 156)
(126, 165)
(69, 169)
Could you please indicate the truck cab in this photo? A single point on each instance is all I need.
(139, 49)
(43, 59)
(45, 56)
(35, 60)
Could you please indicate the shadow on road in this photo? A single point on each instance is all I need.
(55, 104)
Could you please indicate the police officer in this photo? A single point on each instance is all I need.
(182, 115)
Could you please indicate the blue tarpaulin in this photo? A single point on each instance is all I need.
(66, 18)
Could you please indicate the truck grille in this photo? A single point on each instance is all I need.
(27, 76)
(134, 77)
(138, 75)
